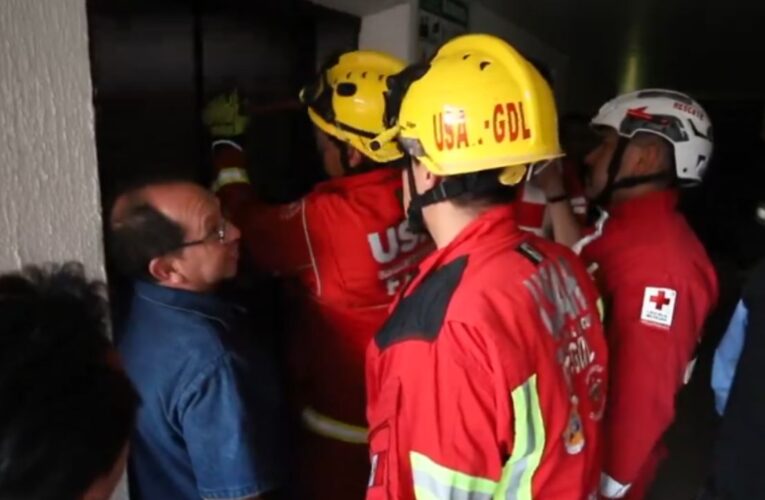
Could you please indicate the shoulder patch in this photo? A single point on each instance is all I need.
(421, 314)
(658, 307)
(530, 252)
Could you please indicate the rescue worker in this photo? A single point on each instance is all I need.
(489, 378)
(534, 206)
(657, 281)
(346, 245)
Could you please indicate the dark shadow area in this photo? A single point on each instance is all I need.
(722, 211)
(155, 63)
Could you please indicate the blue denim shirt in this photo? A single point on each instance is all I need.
(727, 355)
(209, 423)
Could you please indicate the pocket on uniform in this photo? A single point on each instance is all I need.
(382, 444)
(379, 444)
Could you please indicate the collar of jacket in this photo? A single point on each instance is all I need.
(348, 182)
(207, 304)
(656, 202)
(497, 221)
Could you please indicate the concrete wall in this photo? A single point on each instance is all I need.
(392, 30)
(49, 193)
(386, 25)
(50, 207)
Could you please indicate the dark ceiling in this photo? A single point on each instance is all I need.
(712, 49)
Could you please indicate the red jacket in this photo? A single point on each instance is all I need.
(490, 375)
(659, 286)
(349, 249)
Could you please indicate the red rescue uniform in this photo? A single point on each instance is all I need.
(489, 378)
(348, 248)
(659, 287)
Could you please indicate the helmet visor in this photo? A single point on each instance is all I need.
(666, 125)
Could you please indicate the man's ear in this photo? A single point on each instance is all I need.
(647, 156)
(633, 160)
(163, 270)
(426, 179)
(355, 157)
(651, 158)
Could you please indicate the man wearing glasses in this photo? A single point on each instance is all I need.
(208, 424)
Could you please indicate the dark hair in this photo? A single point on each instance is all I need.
(483, 189)
(66, 412)
(139, 235)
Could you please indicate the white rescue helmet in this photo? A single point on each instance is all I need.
(669, 114)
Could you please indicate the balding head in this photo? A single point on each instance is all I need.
(168, 233)
(659, 152)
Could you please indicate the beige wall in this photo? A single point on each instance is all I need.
(392, 30)
(49, 194)
(50, 207)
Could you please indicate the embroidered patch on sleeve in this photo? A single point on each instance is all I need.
(658, 306)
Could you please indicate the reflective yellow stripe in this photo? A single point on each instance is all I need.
(529, 443)
(601, 309)
(333, 429)
(433, 481)
(230, 175)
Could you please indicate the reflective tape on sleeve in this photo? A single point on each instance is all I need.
(611, 488)
(230, 175)
(528, 443)
(334, 429)
(227, 142)
(433, 481)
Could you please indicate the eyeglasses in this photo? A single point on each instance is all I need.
(218, 235)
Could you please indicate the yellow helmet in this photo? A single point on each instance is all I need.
(477, 105)
(348, 100)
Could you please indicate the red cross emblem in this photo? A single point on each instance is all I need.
(660, 300)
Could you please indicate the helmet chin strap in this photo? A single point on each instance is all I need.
(612, 185)
(414, 212)
(366, 164)
(343, 151)
(447, 188)
(444, 190)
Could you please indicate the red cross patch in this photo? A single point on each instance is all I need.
(658, 306)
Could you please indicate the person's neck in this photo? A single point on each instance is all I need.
(445, 221)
